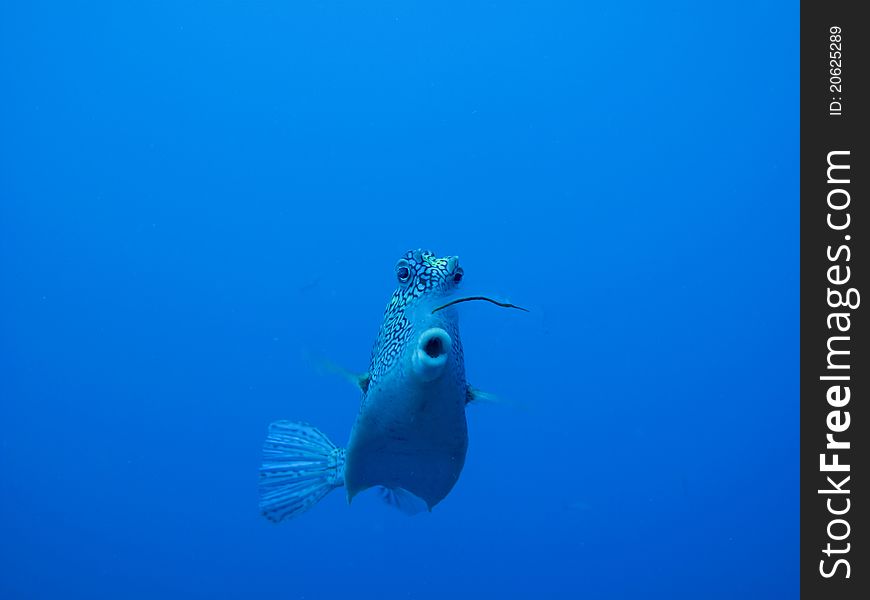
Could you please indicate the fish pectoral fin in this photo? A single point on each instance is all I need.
(360, 380)
(410, 504)
(473, 394)
(477, 396)
(363, 382)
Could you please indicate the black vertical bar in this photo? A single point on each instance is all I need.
(835, 369)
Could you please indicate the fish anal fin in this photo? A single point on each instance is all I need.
(400, 498)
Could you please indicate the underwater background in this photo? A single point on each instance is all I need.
(197, 198)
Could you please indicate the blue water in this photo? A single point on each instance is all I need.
(197, 196)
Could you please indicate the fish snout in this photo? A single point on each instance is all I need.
(430, 356)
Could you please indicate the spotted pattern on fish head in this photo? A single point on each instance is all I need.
(421, 276)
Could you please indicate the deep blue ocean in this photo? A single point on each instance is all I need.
(199, 198)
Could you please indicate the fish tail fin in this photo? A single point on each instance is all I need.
(300, 466)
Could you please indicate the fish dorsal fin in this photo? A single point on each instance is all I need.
(404, 500)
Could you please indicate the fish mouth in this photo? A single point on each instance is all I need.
(433, 346)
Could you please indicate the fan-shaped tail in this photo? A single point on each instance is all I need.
(300, 466)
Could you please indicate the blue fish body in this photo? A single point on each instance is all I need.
(411, 432)
(410, 437)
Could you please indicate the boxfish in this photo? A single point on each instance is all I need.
(410, 437)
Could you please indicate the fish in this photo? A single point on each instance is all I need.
(410, 437)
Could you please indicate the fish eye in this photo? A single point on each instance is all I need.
(457, 275)
(403, 272)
